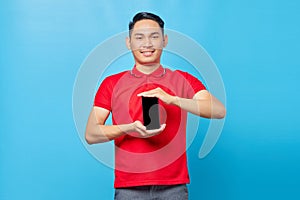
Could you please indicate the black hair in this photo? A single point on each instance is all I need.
(146, 15)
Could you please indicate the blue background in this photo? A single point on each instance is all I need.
(255, 45)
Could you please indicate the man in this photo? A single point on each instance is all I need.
(149, 164)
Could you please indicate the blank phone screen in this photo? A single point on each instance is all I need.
(150, 112)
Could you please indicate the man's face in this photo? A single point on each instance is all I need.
(146, 42)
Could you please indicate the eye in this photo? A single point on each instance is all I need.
(138, 37)
(155, 36)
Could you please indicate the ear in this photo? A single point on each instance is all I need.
(165, 40)
(128, 43)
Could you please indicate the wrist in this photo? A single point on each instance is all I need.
(175, 100)
(127, 128)
(130, 127)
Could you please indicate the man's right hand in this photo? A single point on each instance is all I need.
(142, 132)
(97, 132)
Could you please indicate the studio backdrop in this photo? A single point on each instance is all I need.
(54, 54)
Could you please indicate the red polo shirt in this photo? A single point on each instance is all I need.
(158, 160)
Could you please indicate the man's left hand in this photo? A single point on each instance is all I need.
(160, 94)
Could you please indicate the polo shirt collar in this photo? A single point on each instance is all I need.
(160, 71)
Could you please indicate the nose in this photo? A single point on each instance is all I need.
(147, 43)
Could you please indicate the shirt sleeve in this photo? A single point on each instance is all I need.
(194, 85)
(104, 94)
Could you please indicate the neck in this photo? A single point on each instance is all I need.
(147, 69)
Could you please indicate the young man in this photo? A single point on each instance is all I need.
(149, 164)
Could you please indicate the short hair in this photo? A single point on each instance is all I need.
(146, 15)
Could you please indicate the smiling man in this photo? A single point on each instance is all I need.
(149, 164)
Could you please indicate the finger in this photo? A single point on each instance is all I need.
(145, 94)
(155, 131)
(149, 95)
(163, 126)
(142, 128)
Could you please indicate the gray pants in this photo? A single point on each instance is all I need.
(155, 192)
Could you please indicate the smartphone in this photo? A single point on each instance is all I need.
(150, 112)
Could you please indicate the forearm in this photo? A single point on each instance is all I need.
(202, 104)
(96, 130)
(97, 133)
(208, 107)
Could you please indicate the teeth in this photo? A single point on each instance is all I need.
(147, 53)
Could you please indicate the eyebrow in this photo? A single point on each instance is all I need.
(141, 34)
(154, 33)
(138, 34)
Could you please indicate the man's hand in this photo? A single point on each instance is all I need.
(139, 128)
(202, 104)
(159, 93)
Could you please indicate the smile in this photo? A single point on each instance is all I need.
(147, 53)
